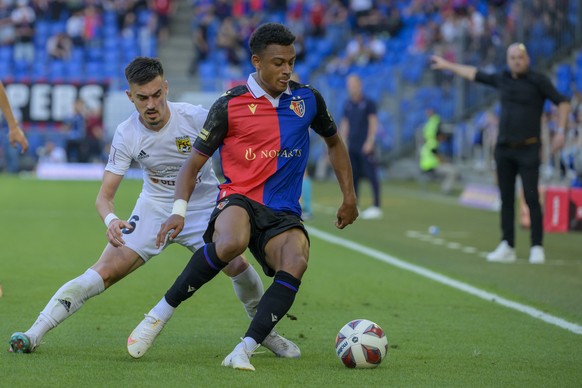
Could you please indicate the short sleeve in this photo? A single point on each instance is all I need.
(549, 91)
(119, 156)
(491, 79)
(214, 129)
(322, 123)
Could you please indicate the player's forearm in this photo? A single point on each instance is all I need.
(104, 205)
(186, 181)
(340, 161)
(6, 109)
(372, 129)
(563, 111)
(465, 71)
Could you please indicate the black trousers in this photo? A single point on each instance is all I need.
(364, 166)
(525, 161)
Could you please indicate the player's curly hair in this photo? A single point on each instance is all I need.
(270, 33)
(143, 69)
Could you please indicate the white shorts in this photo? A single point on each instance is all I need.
(148, 216)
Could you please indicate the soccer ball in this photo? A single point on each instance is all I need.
(361, 344)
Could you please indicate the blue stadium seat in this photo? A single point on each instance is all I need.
(94, 72)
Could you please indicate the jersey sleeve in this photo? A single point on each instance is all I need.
(119, 156)
(322, 123)
(491, 79)
(214, 129)
(549, 91)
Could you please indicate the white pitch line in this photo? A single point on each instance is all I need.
(378, 255)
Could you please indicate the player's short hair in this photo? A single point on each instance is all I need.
(143, 70)
(270, 33)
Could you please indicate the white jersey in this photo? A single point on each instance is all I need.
(161, 154)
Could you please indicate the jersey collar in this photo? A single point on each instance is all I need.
(257, 91)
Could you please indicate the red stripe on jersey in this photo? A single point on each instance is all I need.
(253, 136)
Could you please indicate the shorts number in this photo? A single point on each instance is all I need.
(133, 222)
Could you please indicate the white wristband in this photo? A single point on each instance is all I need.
(108, 218)
(180, 206)
(560, 131)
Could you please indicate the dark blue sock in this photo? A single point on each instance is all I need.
(202, 267)
(273, 306)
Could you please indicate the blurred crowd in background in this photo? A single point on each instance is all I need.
(387, 43)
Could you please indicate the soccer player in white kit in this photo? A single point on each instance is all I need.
(159, 137)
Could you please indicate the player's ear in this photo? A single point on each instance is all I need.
(166, 88)
(256, 61)
(129, 95)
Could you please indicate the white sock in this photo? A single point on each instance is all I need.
(250, 344)
(248, 287)
(162, 311)
(66, 301)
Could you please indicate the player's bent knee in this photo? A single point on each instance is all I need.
(236, 266)
(228, 249)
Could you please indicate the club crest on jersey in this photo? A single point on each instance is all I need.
(298, 106)
(183, 144)
(222, 204)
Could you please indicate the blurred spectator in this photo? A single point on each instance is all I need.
(163, 10)
(316, 18)
(92, 27)
(202, 23)
(94, 135)
(230, 41)
(75, 127)
(75, 27)
(7, 33)
(358, 127)
(59, 46)
(23, 17)
(51, 153)
(433, 163)
(362, 10)
(362, 50)
(336, 24)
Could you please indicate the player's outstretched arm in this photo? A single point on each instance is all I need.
(559, 137)
(340, 161)
(106, 208)
(185, 184)
(15, 134)
(465, 71)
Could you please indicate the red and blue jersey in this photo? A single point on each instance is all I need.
(264, 142)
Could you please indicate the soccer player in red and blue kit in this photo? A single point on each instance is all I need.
(262, 132)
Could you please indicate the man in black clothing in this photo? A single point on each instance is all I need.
(523, 93)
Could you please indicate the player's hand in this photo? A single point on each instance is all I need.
(16, 136)
(114, 232)
(170, 229)
(368, 148)
(346, 215)
(558, 141)
(438, 63)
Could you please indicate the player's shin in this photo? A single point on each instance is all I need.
(66, 301)
(273, 306)
(248, 287)
(202, 267)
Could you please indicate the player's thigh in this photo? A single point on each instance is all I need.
(116, 263)
(289, 252)
(195, 224)
(146, 219)
(232, 230)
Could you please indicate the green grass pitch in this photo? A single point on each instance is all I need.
(438, 336)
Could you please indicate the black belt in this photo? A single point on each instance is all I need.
(519, 144)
